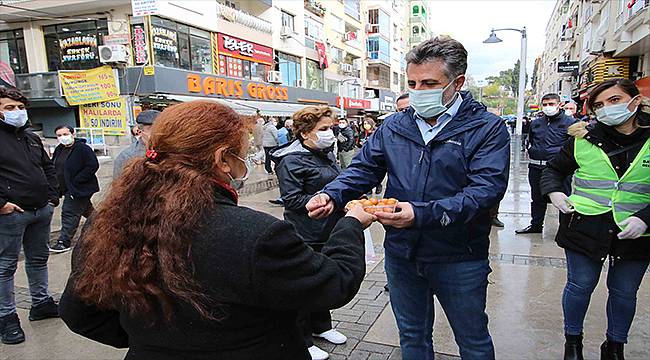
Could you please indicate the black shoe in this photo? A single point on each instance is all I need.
(497, 223)
(386, 288)
(59, 247)
(573, 347)
(46, 310)
(10, 329)
(611, 350)
(532, 229)
(276, 202)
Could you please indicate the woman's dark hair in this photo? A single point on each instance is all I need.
(305, 119)
(626, 85)
(137, 252)
(13, 94)
(70, 128)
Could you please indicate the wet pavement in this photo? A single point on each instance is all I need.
(524, 298)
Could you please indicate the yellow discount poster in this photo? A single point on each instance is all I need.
(111, 116)
(89, 86)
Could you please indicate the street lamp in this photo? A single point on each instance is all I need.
(493, 39)
(341, 82)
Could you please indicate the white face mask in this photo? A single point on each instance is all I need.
(16, 118)
(325, 139)
(551, 110)
(614, 115)
(569, 112)
(238, 183)
(66, 140)
(343, 125)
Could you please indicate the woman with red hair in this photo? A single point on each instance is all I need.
(171, 267)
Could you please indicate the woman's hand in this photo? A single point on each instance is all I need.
(561, 202)
(634, 228)
(364, 218)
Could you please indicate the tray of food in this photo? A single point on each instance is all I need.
(374, 205)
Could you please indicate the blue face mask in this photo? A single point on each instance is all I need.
(15, 118)
(614, 115)
(428, 103)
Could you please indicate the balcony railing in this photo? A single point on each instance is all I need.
(315, 7)
(243, 18)
(39, 85)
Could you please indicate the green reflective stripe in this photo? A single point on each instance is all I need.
(600, 200)
(629, 208)
(595, 184)
(634, 188)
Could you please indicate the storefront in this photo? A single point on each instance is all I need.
(238, 58)
(353, 107)
(74, 46)
(12, 50)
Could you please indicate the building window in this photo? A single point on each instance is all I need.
(336, 54)
(165, 42)
(416, 10)
(314, 76)
(12, 50)
(288, 20)
(416, 30)
(395, 78)
(290, 69)
(373, 20)
(180, 46)
(352, 9)
(379, 49)
(379, 76)
(200, 50)
(313, 32)
(338, 24)
(74, 46)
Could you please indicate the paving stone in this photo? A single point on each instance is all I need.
(375, 348)
(353, 326)
(324, 344)
(346, 349)
(376, 277)
(352, 334)
(349, 312)
(378, 357)
(344, 318)
(368, 318)
(396, 354)
(359, 355)
(368, 308)
(337, 357)
(507, 258)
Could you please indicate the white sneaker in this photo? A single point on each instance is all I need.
(332, 336)
(318, 353)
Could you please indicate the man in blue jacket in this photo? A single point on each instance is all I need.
(447, 162)
(548, 133)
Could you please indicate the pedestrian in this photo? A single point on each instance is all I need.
(437, 243)
(285, 134)
(145, 121)
(345, 140)
(27, 200)
(607, 215)
(195, 275)
(136, 132)
(525, 131)
(76, 166)
(258, 136)
(304, 168)
(548, 133)
(571, 109)
(402, 102)
(368, 129)
(269, 141)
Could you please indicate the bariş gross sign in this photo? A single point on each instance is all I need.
(214, 85)
(244, 49)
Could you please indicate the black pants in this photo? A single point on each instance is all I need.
(315, 322)
(539, 202)
(71, 213)
(267, 159)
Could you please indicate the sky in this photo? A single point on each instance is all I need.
(470, 22)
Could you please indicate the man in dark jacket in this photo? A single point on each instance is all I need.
(76, 165)
(145, 122)
(345, 139)
(447, 161)
(548, 133)
(28, 195)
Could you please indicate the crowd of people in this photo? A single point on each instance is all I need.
(170, 265)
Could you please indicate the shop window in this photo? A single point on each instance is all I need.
(201, 50)
(288, 20)
(180, 46)
(74, 46)
(290, 69)
(259, 71)
(12, 50)
(314, 76)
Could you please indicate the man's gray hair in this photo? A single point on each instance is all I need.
(441, 48)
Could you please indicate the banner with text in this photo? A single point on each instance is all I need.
(89, 86)
(112, 116)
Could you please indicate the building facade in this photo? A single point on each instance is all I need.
(419, 28)
(588, 42)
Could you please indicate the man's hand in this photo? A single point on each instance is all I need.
(561, 202)
(634, 228)
(9, 208)
(364, 218)
(398, 220)
(320, 206)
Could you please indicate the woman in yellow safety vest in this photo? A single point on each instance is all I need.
(608, 213)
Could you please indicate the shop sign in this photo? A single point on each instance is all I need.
(349, 103)
(243, 49)
(116, 39)
(89, 86)
(78, 48)
(149, 70)
(164, 40)
(568, 66)
(229, 88)
(139, 44)
(108, 115)
(144, 7)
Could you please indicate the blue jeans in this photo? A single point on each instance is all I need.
(71, 213)
(623, 281)
(461, 289)
(30, 229)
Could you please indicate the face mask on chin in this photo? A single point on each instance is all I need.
(238, 183)
(429, 103)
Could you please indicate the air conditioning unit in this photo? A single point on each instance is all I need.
(350, 36)
(368, 27)
(348, 68)
(113, 54)
(274, 77)
(357, 64)
(286, 32)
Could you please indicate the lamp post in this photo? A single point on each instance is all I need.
(341, 82)
(493, 39)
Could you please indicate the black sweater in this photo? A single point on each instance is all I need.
(79, 169)
(27, 175)
(596, 236)
(259, 271)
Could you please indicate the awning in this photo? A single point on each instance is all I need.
(248, 107)
(239, 109)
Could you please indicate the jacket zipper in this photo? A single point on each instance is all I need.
(571, 220)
